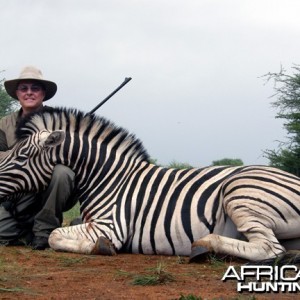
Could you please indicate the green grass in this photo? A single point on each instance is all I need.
(181, 260)
(156, 276)
(71, 261)
(189, 297)
(216, 261)
(11, 275)
(71, 214)
(11, 290)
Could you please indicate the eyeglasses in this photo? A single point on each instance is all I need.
(34, 88)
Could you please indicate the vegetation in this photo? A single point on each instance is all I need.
(287, 93)
(173, 164)
(177, 165)
(221, 162)
(7, 104)
(189, 297)
(228, 162)
(66, 261)
(71, 214)
(156, 276)
(216, 260)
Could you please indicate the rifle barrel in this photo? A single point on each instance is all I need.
(126, 80)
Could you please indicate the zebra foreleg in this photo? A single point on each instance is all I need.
(78, 239)
(71, 239)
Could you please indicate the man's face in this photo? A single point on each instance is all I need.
(30, 94)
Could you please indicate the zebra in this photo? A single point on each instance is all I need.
(128, 204)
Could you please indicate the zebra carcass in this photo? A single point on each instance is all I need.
(131, 205)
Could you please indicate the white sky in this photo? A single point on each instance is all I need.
(196, 93)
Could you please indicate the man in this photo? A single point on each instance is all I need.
(35, 215)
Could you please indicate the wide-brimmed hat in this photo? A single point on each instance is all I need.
(31, 73)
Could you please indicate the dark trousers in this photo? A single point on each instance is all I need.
(39, 213)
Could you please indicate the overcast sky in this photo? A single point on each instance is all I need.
(197, 92)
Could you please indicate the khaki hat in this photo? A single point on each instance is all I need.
(30, 73)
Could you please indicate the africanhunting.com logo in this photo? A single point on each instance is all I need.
(264, 279)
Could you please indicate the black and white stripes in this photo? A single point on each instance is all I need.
(143, 208)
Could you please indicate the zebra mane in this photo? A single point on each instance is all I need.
(74, 120)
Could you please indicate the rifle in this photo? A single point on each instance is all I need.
(126, 80)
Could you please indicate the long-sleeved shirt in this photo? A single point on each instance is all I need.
(8, 125)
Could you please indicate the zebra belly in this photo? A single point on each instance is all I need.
(163, 247)
(168, 241)
(288, 230)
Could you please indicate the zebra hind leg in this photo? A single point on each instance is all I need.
(257, 248)
(199, 253)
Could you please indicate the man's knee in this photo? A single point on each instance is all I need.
(61, 189)
(63, 175)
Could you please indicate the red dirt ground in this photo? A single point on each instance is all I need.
(27, 274)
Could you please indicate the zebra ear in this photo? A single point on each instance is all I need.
(52, 139)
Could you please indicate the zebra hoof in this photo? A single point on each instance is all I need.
(104, 246)
(198, 254)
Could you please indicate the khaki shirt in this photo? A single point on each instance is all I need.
(8, 125)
